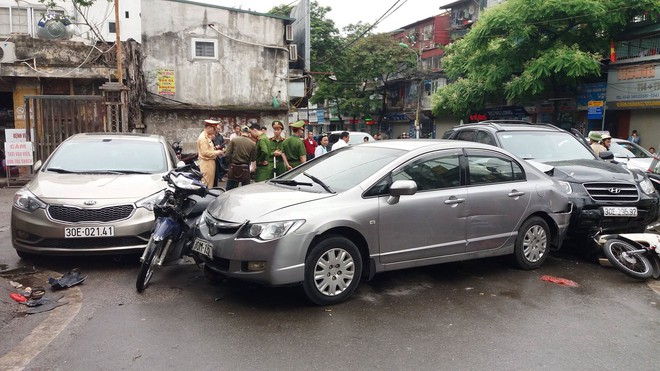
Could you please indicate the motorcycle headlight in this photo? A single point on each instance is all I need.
(566, 186)
(269, 231)
(150, 201)
(647, 186)
(184, 182)
(27, 201)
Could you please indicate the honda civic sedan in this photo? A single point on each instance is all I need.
(93, 195)
(382, 206)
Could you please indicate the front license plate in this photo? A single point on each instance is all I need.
(620, 211)
(86, 232)
(203, 247)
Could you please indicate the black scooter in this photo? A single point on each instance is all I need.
(184, 201)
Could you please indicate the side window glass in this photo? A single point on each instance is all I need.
(484, 137)
(488, 170)
(432, 173)
(466, 135)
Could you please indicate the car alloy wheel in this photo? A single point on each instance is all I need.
(332, 271)
(531, 247)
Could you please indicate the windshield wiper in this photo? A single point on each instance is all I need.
(61, 171)
(289, 182)
(319, 182)
(124, 172)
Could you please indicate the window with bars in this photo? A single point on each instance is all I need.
(205, 49)
(15, 20)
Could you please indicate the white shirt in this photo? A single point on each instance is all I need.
(340, 143)
(232, 136)
(320, 151)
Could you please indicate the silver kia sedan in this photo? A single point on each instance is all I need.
(382, 206)
(93, 195)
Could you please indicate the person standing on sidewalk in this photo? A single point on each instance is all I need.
(263, 166)
(310, 145)
(240, 153)
(277, 161)
(207, 153)
(293, 146)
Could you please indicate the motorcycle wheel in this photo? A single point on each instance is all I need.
(147, 268)
(635, 265)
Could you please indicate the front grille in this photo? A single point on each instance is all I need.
(75, 214)
(615, 192)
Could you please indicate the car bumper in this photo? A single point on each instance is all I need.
(36, 233)
(588, 219)
(562, 220)
(283, 258)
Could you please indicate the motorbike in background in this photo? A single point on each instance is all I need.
(635, 254)
(184, 201)
(187, 158)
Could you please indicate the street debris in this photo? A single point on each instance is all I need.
(44, 304)
(559, 281)
(18, 297)
(69, 279)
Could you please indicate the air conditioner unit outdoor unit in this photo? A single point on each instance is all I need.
(293, 52)
(7, 52)
(288, 34)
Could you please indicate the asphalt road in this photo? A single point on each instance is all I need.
(473, 315)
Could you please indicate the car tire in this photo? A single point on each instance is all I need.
(532, 244)
(332, 271)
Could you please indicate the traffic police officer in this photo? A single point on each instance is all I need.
(293, 146)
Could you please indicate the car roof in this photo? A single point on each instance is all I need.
(428, 144)
(510, 125)
(126, 136)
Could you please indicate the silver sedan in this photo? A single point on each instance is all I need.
(382, 206)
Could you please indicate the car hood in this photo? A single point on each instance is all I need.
(259, 199)
(581, 171)
(636, 163)
(47, 185)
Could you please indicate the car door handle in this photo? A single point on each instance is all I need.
(515, 193)
(454, 200)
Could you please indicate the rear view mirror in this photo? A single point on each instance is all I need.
(606, 155)
(37, 165)
(401, 188)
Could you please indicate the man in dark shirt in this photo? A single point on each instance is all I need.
(240, 153)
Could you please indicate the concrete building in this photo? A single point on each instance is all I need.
(203, 61)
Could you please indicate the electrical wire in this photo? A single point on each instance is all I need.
(248, 42)
(65, 74)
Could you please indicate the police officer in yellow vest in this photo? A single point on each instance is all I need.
(207, 153)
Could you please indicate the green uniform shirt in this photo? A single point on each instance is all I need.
(294, 148)
(275, 145)
(263, 172)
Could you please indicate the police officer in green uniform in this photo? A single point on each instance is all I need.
(293, 146)
(277, 161)
(264, 170)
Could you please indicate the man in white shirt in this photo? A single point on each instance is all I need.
(342, 142)
(236, 133)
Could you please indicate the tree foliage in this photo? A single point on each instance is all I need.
(525, 49)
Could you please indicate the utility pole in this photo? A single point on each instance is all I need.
(120, 76)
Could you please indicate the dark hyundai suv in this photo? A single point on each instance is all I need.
(604, 195)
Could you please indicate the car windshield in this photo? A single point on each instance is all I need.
(343, 169)
(115, 156)
(628, 150)
(544, 147)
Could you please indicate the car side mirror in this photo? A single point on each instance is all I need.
(37, 166)
(401, 188)
(606, 155)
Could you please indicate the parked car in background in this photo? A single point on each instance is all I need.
(355, 137)
(604, 195)
(632, 154)
(93, 195)
(382, 206)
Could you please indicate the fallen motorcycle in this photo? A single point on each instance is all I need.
(635, 254)
(187, 158)
(184, 201)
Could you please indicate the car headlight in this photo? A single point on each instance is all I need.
(647, 186)
(27, 201)
(566, 186)
(269, 231)
(150, 201)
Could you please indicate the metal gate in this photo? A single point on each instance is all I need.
(56, 117)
